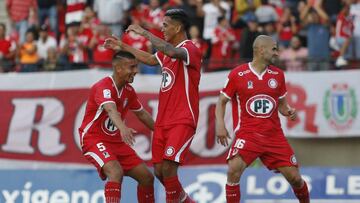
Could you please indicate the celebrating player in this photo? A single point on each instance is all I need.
(178, 108)
(105, 138)
(257, 91)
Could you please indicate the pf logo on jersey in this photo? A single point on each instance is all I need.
(260, 106)
(168, 79)
(108, 127)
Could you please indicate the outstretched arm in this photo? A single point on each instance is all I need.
(144, 57)
(221, 132)
(286, 110)
(159, 44)
(145, 118)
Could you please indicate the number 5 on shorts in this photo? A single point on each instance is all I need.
(100, 146)
(239, 143)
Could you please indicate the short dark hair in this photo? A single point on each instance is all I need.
(180, 16)
(123, 54)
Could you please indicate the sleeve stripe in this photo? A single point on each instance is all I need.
(105, 102)
(158, 59)
(139, 109)
(187, 62)
(227, 96)
(283, 95)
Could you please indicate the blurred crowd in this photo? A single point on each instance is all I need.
(51, 35)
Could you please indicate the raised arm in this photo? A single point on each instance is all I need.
(145, 118)
(114, 115)
(143, 56)
(221, 132)
(159, 44)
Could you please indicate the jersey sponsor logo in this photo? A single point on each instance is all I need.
(170, 151)
(243, 73)
(272, 72)
(340, 106)
(107, 93)
(109, 127)
(168, 79)
(272, 83)
(260, 106)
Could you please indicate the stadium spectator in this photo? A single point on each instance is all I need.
(249, 33)
(100, 55)
(211, 12)
(48, 14)
(74, 11)
(294, 57)
(113, 13)
(355, 13)
(286, 28)
(105, 138)
(73, 52)
(318, 35)
(140, 42)
(7, 51)
(222, 43)
(195, 37)
(20, 12)
(193, 9)
(52, 62)
(266, 13)
(29, 57)
(344, 32)
(45, 42)
(178, 108)
(152, 20)
(258, 90)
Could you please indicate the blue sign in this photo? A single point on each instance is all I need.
(205, 184)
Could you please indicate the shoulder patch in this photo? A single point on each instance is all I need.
(107, 93)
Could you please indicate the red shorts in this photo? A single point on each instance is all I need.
(102, 152)
(171, 143)
(274, 153)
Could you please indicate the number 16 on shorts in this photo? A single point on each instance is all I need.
(239, 144)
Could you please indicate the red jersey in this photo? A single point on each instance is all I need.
(5, 46)
(255, 99)
(101, 55)
(344, 26)
(179, 91)
(96, 123)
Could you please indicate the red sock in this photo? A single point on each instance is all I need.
(112, 192)
(145, 194)
(173, 189)
(233, 193)
(302, 194)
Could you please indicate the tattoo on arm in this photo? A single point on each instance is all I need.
(160, 44)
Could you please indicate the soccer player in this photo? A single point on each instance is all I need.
(178, 108)
(106, 139)
(257, 91)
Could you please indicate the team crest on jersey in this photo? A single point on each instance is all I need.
(170, 151)
(168, 79)
(272, 83)
(293, 159)
(108, 127)
(107, 93)
(250, 84)
(261, 106)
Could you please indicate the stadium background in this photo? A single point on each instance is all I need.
(40, 160)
